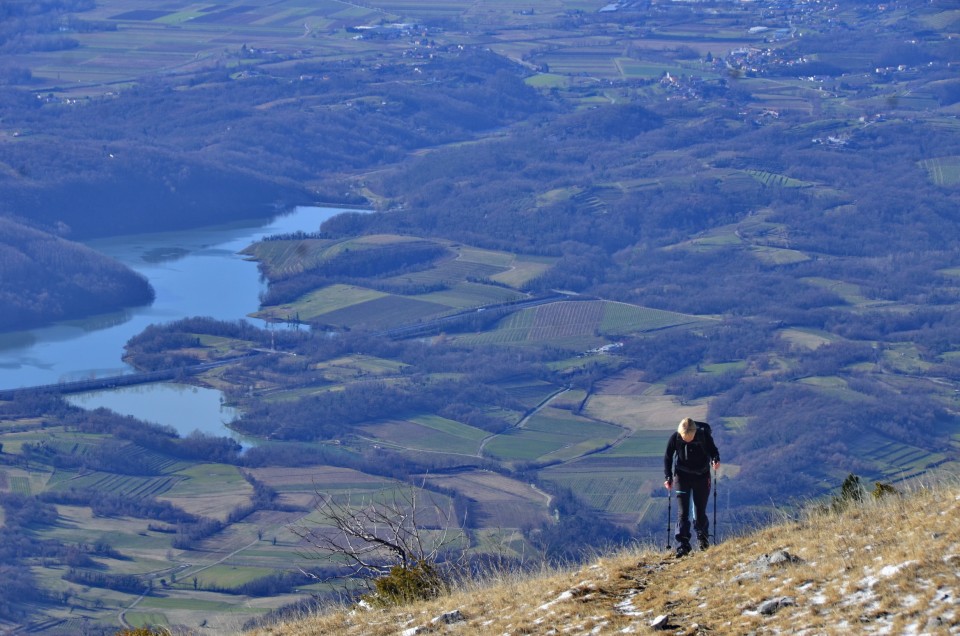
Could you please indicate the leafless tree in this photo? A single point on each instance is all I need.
(402, 527)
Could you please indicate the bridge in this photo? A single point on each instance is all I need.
(114, 381)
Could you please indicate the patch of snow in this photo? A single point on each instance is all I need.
(564, 596)
(890, 570)
(626, 606)
(860, 597)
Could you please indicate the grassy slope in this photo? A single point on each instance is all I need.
(879, 568)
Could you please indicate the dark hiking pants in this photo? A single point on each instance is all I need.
(696, 487)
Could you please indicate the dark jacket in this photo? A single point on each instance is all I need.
(693, 457)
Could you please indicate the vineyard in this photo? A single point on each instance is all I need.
(126, 485)
(285, 258)
(771, 179)
(20, 485)
(581, 324)
(616, 486)
(944, 171)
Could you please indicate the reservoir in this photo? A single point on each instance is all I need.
(181, 406)
(194, 273)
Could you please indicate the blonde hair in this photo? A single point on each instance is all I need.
(687, 427)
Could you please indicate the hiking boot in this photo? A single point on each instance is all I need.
(704, 541)
(683, 550)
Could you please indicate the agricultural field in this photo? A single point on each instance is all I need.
(497, 501)
(620, 486)
(192, 37)
(552, 435)
(577, 325)
(461, 277)
(428, 433)
(531, 393)
(210, 490)
(849, 292)
(944, 171)
(255, 546)
(626, 400)
(777, 180)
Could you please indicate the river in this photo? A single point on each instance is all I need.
(194, 273)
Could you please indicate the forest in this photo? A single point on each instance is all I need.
(46, 278)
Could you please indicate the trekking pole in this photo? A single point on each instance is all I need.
(669, 513)
(716, 538)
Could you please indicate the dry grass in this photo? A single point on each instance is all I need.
(886, 567)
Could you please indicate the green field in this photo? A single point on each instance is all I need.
(320, 302)
(944, 171)
(127, 485)
(465, 295)
(777, 180)
(641, 444)
(529, 393)
(849, 292)
(339, 305)
(430, 433)
(552, 435)
(577, 324)
(147, 619)
(619, 486)
(382, 313)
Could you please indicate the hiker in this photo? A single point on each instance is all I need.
(695, 451)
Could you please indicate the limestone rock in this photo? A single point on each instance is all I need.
(449, 618)
(770, 606)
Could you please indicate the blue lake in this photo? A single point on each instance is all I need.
(195, 273)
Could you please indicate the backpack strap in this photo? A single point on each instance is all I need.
(705, 428)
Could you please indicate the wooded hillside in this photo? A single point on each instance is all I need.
(46, 278)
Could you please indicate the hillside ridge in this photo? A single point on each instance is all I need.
(889, 565)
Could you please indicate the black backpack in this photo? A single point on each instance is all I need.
(702, 427)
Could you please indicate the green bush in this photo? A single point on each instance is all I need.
(405, 584)
(851, 492)
(144, 631)
(881, 490)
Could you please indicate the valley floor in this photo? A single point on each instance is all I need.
(883, 567)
